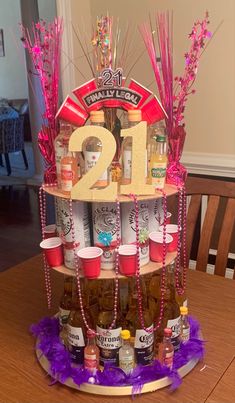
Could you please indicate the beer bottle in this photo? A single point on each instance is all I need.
(66, 301)
(109, 341)
(171, 311)
(143, 340)
(77, 331)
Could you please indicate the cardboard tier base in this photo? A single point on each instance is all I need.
(118, 390)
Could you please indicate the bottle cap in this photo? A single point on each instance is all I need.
(125, 334)
(167, 332)
(134, 115)
(184, 310)
(97, 116)
(161, 138)
(90, 333)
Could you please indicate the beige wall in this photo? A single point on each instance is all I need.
(13, 82)
(210, 112)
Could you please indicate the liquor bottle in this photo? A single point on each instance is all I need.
(61, 148)
(126, 353)
(171, 311)
(77, 332)
(91, 353)
(166, 349)
(151, 144)
(134, 117)
(158, 163)
(69, 172)
(143, 340)
(92, 149)
(108, 341)
(184, 324)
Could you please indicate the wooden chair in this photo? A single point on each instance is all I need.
(215, 190)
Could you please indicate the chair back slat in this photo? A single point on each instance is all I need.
(192, 216)
(225, 238)
(206, 233)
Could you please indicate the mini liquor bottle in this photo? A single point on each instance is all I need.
(158, 163)
(166, 349)
(92, 149)
(126, 353)
(134, 117)
(61, 148)
(69, 172)
(184, 324)
(91, 353)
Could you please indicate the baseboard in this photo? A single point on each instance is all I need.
(209, 164)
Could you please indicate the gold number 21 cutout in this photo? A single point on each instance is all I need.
(83, 188)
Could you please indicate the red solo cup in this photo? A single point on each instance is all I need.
(72, 113)
(84, 90)
(168, 218)
(156, 245)
(144, 92)
(153, 111)
(52, 248)
(127, 259)
(90, 258)
(50, 231)
(173, 230)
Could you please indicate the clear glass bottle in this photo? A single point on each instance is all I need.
(92, 149)
(184, 324)
(126, 353)
(61, 147)
(166, 349)
(171, 311)
(134, 117)
(91, 353)
(158, 163)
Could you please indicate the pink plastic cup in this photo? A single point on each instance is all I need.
(52, 248)
(168, 218)
(72, 113)
(153, 111)
(156, 245)
(90, 258)
(50, 231)
(171, 229)
(127, 259)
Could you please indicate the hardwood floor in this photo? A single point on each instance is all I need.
(20, 232)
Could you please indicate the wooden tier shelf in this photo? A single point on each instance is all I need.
(149, 268)
(169, 189)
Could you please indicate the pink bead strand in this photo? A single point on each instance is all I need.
(76, 260)
(181, 246)
(163, 274)
(47, 273)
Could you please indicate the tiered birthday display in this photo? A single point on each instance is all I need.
(123, 318)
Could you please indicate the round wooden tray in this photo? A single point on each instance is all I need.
(151, 267)
(169, 189)
(118, 390)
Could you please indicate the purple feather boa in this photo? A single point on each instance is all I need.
(61, 368)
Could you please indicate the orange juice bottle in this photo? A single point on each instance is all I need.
(69, 172)
(158, 163)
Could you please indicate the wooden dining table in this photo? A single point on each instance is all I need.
(211, 299)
